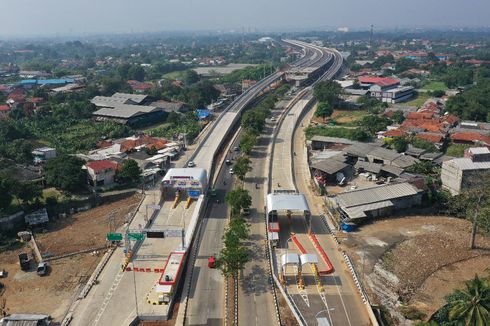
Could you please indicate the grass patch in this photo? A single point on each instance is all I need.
(174, 75)
(352, 134)
(51, 192)
(435, 86)
(348, 118)
(418, 100)
(457, 150)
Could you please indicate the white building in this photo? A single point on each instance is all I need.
(457, 174)
(42, 154)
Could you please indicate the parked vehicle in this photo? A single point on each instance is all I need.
(232, 171)
(211, 262)
(191, 164)
(24, 261)
(42, 268)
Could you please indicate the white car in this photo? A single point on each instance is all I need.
(231, 171)
(273, 119)
(191, 164)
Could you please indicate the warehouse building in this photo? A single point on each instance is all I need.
(377, 201)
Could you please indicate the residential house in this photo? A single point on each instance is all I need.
(470, 138)
(101, 173)
(458, 174)
(4, 111)
(42, 154)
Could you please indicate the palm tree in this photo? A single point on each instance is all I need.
(473, 307)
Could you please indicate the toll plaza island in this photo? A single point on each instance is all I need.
(157, 251)
(295, 246)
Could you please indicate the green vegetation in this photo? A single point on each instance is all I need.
(178, 124)
(242, 167)
(352, 134)
(130, 171)
(372, 105)
(418, 100)
(400, 144)
(435, 86)
(470, 306)
(324, 110)
(328, 91)
(234, 254)
(252, 72)
(65, 172)
(423, 144)
(457, 150)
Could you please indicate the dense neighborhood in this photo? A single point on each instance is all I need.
(118, 155)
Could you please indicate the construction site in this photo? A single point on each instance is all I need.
(72, 246)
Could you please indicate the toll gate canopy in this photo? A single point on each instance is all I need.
(286, 201)
(186, 179)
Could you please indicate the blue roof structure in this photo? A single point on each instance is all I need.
(59, 81)
(202, 113)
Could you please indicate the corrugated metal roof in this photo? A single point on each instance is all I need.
(359, 149)
(367, 166)
(467, 164)
(332, 140)
(280, 202)
(375, 194)
(404, 161)
(392, 169)
(125, 111)
(136, 98)
(359, 211)
(384, 154)
(329, 166)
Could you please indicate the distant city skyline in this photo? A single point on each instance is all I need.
(77, 17)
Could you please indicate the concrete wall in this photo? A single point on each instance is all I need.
(451, 177)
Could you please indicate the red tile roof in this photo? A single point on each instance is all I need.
(102, 165)
(380, 81)
(470, 137)
(420, 115)
(433, 138)
(4, 108)
(395, 133)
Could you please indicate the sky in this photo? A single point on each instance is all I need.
(70, 17)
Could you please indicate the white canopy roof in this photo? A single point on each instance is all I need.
(287, 201)
(289, 259)
(308, 259)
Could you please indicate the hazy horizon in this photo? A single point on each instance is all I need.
(54, 17)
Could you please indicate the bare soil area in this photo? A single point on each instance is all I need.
(52, 294)
(419, 258)
(85, 230)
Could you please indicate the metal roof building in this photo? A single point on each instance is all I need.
(378, 200)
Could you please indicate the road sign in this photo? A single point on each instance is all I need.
(114, 237)
(136, 236)
(173, 233)
(193, 193)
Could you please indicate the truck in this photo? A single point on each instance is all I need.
(24, 261)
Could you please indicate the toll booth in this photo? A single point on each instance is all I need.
(285, 202)
(185, 182)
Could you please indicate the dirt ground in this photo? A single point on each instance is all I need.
(428, 255)
(85, 230)
(347, 116)
(53, 293)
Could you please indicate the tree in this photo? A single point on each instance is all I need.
(242, 167)
(328, 91)
(400, 144)
(129, 171)
(398, 117)
(233, 256)
(474, 202)
(238, 199)
(136, 72)
(27, 192)
(190, 77)
(373, 123)
(65, 172)
(248, 142)
(324, 110)
(473, 306)
(5, 193)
